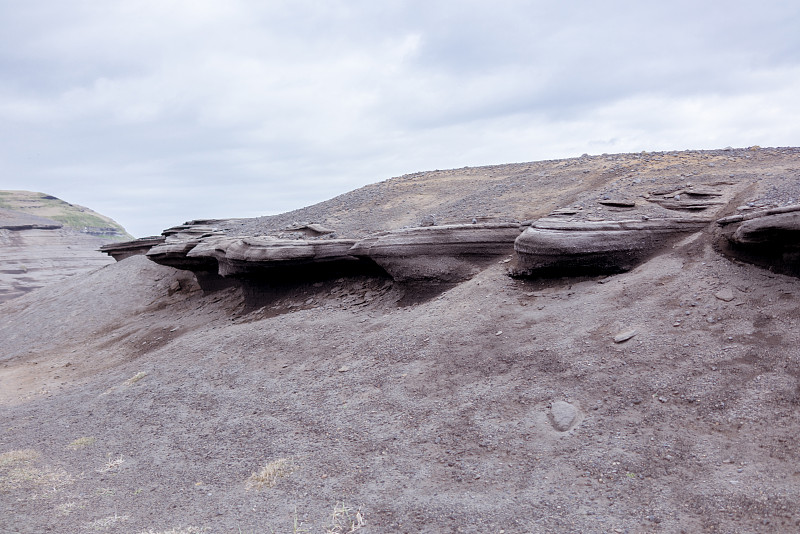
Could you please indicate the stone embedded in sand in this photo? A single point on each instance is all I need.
(552, 247)
(563, 415)
(725, 294)
(447, 253)
(624, 336)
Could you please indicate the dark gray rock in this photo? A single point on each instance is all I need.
(245, 255)
(126, 249)
(769, 238)
(447, 253)
(552, 247)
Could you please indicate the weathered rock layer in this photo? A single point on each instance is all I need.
(770, 238)
(441, 253)
(552, 246)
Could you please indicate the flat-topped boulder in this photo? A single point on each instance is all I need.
(447, 253)
(770, 237)
(556, 247)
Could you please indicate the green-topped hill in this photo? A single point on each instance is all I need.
(69, 215)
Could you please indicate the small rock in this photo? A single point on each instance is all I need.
(428, 220)
(563, 415)
(624, 336)
(725, 294)
(343, 369)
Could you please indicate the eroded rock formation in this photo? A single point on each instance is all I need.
(126, 249)
(237, 256)
(448, 253)
(770, 238)
(556, 247)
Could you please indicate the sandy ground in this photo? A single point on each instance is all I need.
(132, 402)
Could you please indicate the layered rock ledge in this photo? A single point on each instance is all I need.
(126, 249)
(448, 253)
(445, 253)
(770, 238)
(249, 255)
(556, 247)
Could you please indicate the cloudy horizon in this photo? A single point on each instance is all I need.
(154, 113)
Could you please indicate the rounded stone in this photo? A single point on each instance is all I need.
(563, 415)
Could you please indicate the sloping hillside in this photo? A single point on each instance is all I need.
(662, 399)
(44, 239)
(70, 216)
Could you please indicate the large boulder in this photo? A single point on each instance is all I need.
(448, 253)
(556, 247)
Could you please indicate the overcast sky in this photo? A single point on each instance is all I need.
(154, 112)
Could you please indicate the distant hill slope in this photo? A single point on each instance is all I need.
(44, 239)
(69, 215)
(531, 190)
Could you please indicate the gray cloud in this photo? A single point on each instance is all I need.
(157, 112)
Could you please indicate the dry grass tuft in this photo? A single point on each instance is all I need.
(135, 378)
(111, 464)
(268, 475)
(345, 520)
(106, 522)
(12, 458)
(81, 443)
(177, 530)
(17, 470)
(66, 508)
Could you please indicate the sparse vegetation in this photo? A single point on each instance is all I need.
(345, 520)
(268, 475)
(12, 458)
(135, 378)
(66, 508)
(177, 530)
(17, 470)
(111, 464)
(105, 522)
(81, 443)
